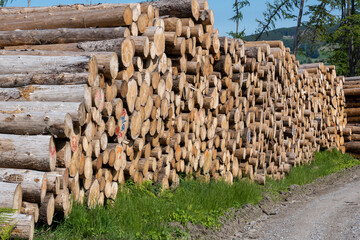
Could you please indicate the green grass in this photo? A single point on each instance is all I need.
(5, 226)
(143, 212)
(327, 162)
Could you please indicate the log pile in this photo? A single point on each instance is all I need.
(352, 108)
(153, 91)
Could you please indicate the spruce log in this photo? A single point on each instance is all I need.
(157, 36)
(14, 64)
(108, 62)
(31, 209)
(35, 118)
(352, 147)
(111, 17)
(121, 46)
(63, 8)
(180, 9)
(11, 195)
(142, 45)
(53, 182)
(33, 183)
(19, 80)
(93, 194)
(352, 92)
(60, 35)
(47, 209)
(352, 112)
(48, 93)
(27, 152)
(62, 201)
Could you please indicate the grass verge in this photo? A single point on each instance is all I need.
(143, 212)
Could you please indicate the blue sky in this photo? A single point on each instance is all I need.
(222, 10)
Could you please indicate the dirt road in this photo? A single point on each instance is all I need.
(326, 209)
(332, 212)
(331, 215)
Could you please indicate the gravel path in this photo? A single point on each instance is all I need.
(332, 214)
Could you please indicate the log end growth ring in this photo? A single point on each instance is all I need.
(127, 52)
(159, 41)
(128, 16)
(195, 9)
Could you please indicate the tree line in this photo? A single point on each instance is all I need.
(332, 24)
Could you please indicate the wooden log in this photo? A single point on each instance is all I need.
(19, 80)
(142, 46)
(224, 64)
(352, 92)
(352, 112)
(354, 129)
(112, 17)
(24, 225)
(47, 209)
(33, 183)
(131, 95)
(27, 152)
(157, 36)
(121, 46)
(173, 25)
(61, 35)
(62, 201)
(64, 8)
(53, 182)
(135, 124)
(93, 194)
(108, 62)
(352, 147)
(39, 118)
(30, 209)
(180, 9)
(49, 93)
(13, 64)
(11, 195)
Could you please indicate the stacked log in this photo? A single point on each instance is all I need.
(85, 109)
(352, 131)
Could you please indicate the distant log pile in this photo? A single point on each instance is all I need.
(352, 110)
(151, 92)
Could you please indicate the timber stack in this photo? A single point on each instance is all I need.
(352, 110)
(104, 93)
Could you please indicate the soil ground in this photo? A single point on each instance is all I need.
(328, 208)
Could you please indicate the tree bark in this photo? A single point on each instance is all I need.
(20, 80)
(61, 35)
(107, 62)
(296, 40)
(353, 147)
(47, 64)
(48, 93)
(181, 8)
(114, 17)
